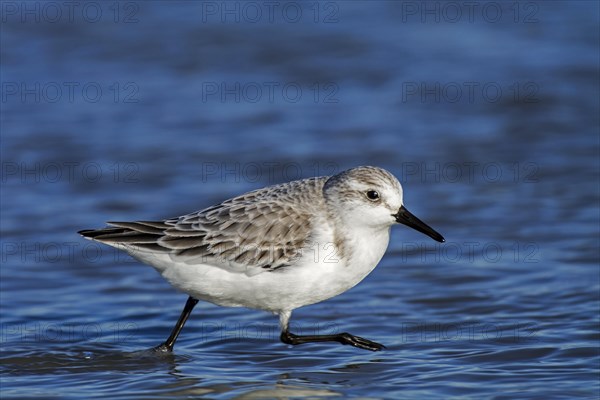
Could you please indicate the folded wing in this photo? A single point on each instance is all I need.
(247, 234)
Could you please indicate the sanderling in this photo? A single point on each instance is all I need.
(275, 249)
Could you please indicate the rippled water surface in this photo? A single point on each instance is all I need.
(487, 113)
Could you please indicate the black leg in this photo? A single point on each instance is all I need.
(187, 310)
(343, 338)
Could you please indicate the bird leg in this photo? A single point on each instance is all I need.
(343, 338)
(167, 346)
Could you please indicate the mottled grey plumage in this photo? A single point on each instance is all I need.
(265, 228)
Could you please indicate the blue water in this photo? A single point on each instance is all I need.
(486, 111)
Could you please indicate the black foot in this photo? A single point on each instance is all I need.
(343, 338)
(360, 342)
(163, 348)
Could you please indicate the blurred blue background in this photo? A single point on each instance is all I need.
(486, 111)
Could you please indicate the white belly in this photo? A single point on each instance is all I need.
(319, 274)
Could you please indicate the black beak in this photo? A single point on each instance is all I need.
(405, 217)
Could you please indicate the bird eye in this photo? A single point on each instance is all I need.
(372, 195)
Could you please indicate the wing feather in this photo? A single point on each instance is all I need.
(255, 232)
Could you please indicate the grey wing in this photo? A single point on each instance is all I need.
(239, 235)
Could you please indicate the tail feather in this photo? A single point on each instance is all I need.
(126, 234)
(96, 234)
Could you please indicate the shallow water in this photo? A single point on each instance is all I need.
(149, 110)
